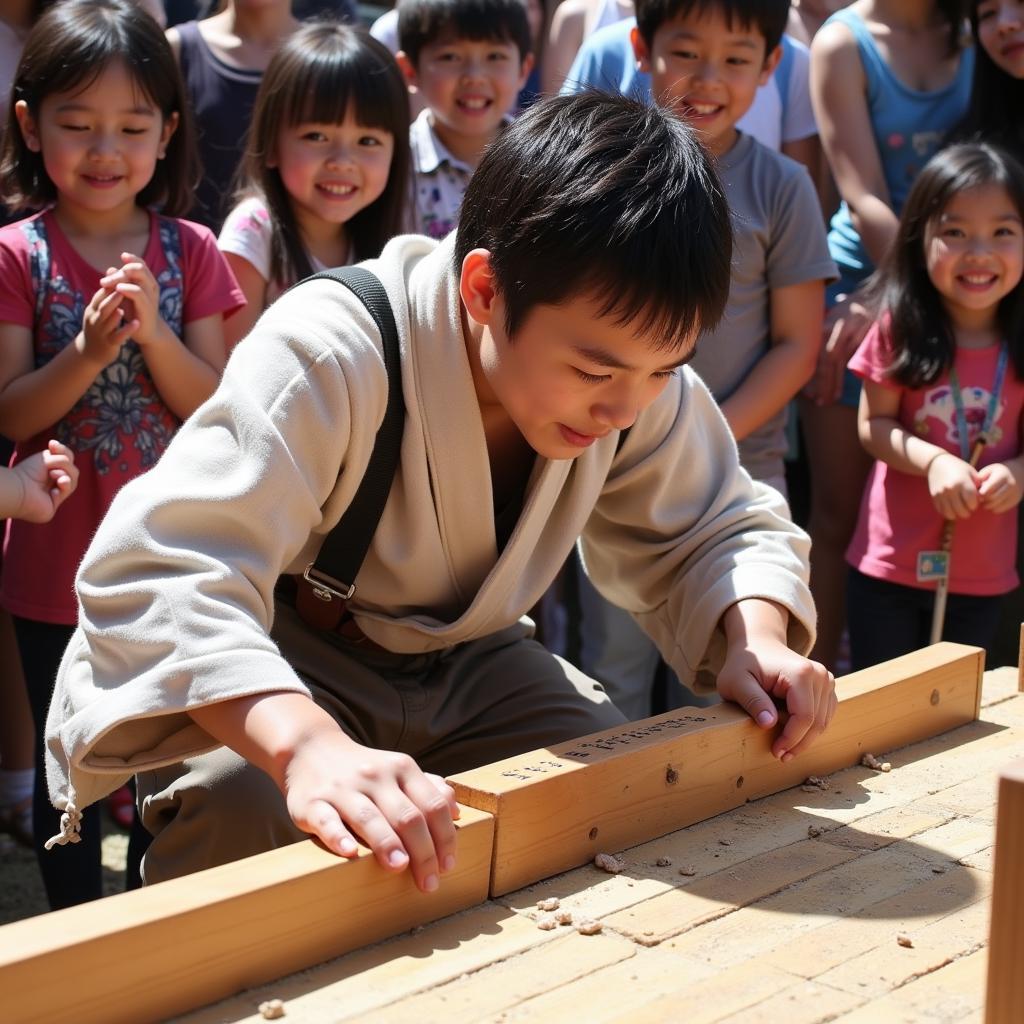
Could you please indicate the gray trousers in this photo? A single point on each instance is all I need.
(451, 710)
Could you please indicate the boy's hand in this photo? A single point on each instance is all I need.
(953, 485)
(338, 790)
(1001, 487)
(104, 328)
(140, 293)
(759, 666)
(846, 323)
(46, 478)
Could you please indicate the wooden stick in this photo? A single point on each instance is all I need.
(1004, 1003)
(172, 947)
(556, 808)
(1020, 662)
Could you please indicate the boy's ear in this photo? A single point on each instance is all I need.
(408, 69)
(640, 50)
(27, 126)
(477, 287)
(525, 67)
(771, 62)
(170, 126)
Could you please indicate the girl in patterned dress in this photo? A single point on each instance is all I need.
(324, 179)
(111, 314)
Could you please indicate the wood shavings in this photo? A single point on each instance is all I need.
(905, 941)
(564, 917)
(610, 863)
(649, 939)
(547, 924)
(272, 1009)
(688, 869)
(663, 862)
(813, 831)
(589, 927)
(816, 784)
(872, 762)
(725, 842)
(551, 903)
(938, 869)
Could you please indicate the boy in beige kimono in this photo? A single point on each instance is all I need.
(594, 245)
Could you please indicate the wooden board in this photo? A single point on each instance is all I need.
(1005, 997)
(773, 925)
(170, 947)
(556, 808)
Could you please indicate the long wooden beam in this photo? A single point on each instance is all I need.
(1004, 1002)
(556, 808)
(167, 948)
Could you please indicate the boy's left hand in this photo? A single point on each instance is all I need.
(760, 666)
(135, 282)
(751, 678)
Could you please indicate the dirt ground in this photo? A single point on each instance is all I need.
(21, 887)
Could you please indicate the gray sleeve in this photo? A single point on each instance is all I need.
(798, 245)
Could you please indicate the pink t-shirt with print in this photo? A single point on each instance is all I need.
(121, 425)
(897, 516)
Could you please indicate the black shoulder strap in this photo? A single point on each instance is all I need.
(334, 572)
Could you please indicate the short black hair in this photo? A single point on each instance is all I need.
(69, 48)
(605, 197)
(767, 16)
(421, 22)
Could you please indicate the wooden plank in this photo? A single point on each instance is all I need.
(1005, 992)
(556, 808)
(1020, 661)
(171, 947)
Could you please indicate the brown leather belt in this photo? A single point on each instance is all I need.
(297, 591)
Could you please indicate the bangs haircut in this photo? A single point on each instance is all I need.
(922, 340)
(767, 16)
(422, 22)
(67, 50)
(320, 73)
(602, 197)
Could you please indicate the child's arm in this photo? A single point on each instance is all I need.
(36, 487)
(336, 788)
(838, 89)
(186, 374)
(952, 483)
(254, 288)
(760, 665)
(797, 312)
(1002, 483)
(31, 400)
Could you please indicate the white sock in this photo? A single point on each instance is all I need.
(15, 784)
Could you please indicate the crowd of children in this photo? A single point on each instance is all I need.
(818, 208)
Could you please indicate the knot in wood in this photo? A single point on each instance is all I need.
(671, 776)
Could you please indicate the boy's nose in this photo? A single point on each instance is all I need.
(1008, 17)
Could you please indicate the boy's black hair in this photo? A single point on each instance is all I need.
(921, 337)
(68, 49)
(997, 99)
(421, 22)
(603, 197)
(767, 16)
(317, 75)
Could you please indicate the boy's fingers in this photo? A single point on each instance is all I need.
(411, 824)
(805, 702)
(449, 793)
(437, 812)
(321, 819)
(750, 696)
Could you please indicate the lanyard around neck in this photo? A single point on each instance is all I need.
(990, 413)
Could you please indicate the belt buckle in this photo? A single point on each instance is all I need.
(322, 588)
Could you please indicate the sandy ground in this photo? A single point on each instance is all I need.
(21, 887)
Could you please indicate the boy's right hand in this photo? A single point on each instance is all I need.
(338, 790)
(104, 329)
(953, 485)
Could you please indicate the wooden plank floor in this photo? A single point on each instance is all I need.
(773, 924)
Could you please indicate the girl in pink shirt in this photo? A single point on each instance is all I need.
(943, 370)
(111, 314)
